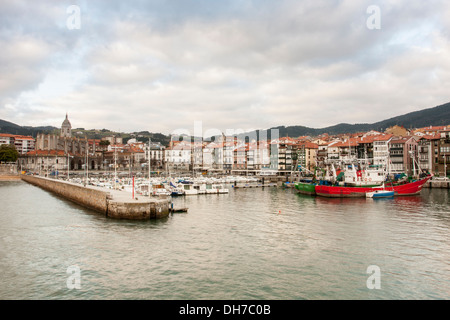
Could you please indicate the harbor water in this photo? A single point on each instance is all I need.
(258, 243)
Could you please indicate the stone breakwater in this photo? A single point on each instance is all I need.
(113, 203)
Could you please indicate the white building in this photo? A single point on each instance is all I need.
(381, 149)
(23, 144)
(179, 156)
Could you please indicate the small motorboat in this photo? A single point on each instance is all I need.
(380, 194)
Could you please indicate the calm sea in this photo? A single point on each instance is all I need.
(249, 244)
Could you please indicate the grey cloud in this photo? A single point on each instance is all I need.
(161, 65)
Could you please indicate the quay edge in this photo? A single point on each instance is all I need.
(113, 203)
(434, 184)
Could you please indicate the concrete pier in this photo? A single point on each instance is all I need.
(113, 203)
(437, 184)
(8, 172)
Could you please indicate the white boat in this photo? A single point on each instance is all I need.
(380, 192)
(215, 189)
(189, 189)
(209, 189)
(221, 189)
(161, 192)
(200, 187)
(366, 177)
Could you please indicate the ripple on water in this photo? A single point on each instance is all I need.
(250, 244)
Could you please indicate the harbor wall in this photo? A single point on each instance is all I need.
(8, 171)
(113, 203)
(155, 209)
(93, 199)
(437, 184)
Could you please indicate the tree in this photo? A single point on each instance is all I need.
(8, 153)
(104, 143)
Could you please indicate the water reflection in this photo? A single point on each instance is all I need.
(249, 244)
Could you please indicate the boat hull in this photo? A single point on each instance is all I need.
(407, 189)
(379, 195)
(305, 188)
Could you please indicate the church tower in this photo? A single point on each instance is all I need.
(66, 128)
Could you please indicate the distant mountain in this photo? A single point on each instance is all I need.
(9, 127)
(436, 116)
(6, 124)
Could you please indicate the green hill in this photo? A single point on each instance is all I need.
(436, 116)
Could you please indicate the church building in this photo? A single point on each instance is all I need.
(54, 152)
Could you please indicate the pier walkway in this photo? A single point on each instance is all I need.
(113, 203)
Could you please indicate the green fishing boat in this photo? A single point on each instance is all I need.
(308, 188)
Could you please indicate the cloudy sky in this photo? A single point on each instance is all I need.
(162, 65)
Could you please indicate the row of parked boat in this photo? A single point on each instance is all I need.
(169, 186)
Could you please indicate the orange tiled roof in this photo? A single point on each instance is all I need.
(15, 136)
(383, 137)
(431, 137)
(59, 153)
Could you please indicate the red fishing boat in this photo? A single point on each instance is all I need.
(404, 189)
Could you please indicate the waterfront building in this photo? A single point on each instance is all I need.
(277, 156)
(307, 155)
(403, 152)
(78, 153)
(365, 147)
(347, 150)
(332, 151)
(381, 149)
(179, 156)
(156, 156)
(50, 162)
(283, 155)
(258, 155)
(196, 156)
(133, 157)
(23, 144)
(430, 130)
(443, 157)
(6, 138)
(228, 155)
(428, 152)
(239, 156)
(322, 154)
(207, 151)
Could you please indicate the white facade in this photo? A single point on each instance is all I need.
(179, 155)
(23, 144)
(381, 152)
